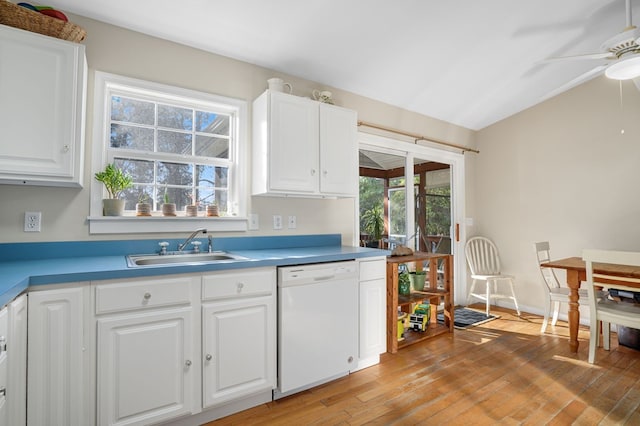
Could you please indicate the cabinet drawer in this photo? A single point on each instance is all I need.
(373, 269)
(242, 283)
(130, 295)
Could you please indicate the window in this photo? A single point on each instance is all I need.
(179, 146)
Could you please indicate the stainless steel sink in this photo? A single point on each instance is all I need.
(180, 258)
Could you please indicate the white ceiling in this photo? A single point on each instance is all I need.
(467, 62)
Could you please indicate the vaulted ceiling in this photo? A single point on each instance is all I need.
(468, 62)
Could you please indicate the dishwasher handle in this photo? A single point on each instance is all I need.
(324, 278)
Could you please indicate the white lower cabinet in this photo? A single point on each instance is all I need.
(56, 357)
(372, 315)
(238, 335)
(17, 362)
(146, 360)
(4, 331)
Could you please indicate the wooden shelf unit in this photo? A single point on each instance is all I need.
(431, 294)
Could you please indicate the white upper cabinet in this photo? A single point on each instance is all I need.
(42, 109)
(302, 147)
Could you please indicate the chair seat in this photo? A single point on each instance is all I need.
(492, 277)
(624, 313)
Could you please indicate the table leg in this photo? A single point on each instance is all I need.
(573, 282)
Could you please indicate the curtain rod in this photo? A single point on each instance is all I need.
(417, 137)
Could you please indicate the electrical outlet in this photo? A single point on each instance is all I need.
(277, 221)
(292, 222)
(32, 221)
(254, 223)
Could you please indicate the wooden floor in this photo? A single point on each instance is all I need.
(500, 372)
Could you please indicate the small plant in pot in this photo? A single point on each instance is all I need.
(143, 208)
(168, 208)
(191, 210)
(373, 221)
(115, 181)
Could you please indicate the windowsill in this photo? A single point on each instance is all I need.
(148, 224)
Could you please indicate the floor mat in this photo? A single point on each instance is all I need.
(464, 318)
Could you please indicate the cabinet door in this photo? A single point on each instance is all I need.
(55, 357)
(338, 151)
(372, 318)
(239, 344)
(4, 387)
(293, 144)
(17, 362)
(144, 367)
(42, 82)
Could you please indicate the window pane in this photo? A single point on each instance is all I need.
(212, 147)
(174, 173)
(208, 176)
(129, 137)
(209, 122)
(174, 117)
(180, 196)
(140, 170)
(132, 111)
(174, 142)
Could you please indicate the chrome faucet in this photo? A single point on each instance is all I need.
(191, 237)
(210, 246)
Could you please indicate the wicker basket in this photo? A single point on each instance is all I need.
(26, 19)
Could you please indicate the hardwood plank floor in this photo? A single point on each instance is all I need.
(500, 372)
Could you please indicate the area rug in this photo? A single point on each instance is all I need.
(465, 318)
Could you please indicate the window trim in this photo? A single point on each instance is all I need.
(99, 224)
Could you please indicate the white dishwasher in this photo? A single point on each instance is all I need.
(317, 324)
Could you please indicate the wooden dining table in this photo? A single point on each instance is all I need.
(576, 271)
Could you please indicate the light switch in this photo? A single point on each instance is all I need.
(277, 221)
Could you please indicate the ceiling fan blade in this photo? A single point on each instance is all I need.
(602, 55)
(576, 81)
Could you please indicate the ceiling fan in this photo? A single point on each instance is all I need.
(620, 53)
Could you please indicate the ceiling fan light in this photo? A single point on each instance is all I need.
(624, 70)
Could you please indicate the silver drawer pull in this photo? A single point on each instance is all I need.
(147, 296)
(3, 391)
(208, 357)
(240, 286)
(188, 363)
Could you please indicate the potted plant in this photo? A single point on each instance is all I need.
(191, 210)
(168, 208)
(143, 208)
(373, 221)
(212, 210)
(115, 181)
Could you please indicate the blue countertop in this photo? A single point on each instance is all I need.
(32, 264)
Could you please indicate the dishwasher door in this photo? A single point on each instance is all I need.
(317, 324)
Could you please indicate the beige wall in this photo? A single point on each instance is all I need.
(563, 172)
(115, 50)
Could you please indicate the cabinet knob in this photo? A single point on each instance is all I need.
(147, 296)
(188, 363)
(3, 391)
(313, 172)
(350, 360)
(65, 148)
(208, 357)
(324, 172)
(240, 287)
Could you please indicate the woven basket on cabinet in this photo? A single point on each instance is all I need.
(26, 19)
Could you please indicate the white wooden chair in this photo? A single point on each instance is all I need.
(554, 292)
(603, 309)
(484, 263)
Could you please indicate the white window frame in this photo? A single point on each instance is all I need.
(238, 193)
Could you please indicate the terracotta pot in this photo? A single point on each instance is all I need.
(191, 211)
(169, 209)
(212, 210)
(143, 209)
(112, 207)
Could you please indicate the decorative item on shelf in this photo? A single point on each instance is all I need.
(373, 223)
(404, 283)
(418, 280)
(401, 250)
(143, 208)
(40, 19)
(401, 317)
(323, 96)
(115, 181)
(279, 85)
(168, 208)
(419, 319)
(212, 210)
